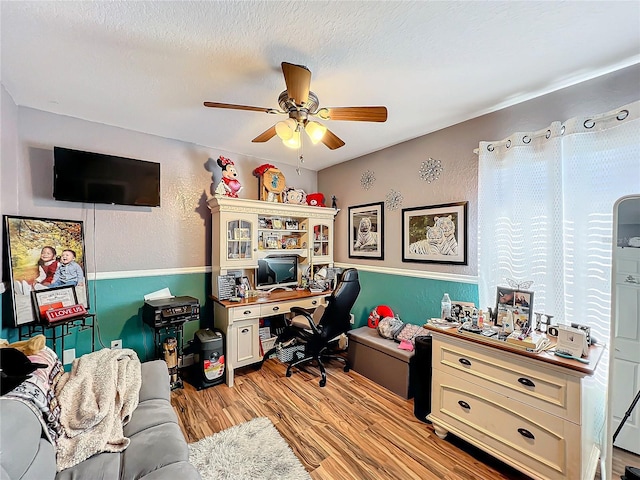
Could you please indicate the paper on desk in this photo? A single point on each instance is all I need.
(163, 293)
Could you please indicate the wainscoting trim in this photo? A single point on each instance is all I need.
(445, 277)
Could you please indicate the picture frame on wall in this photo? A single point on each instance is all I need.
(366, 231)
(435, 234)
(43, 253)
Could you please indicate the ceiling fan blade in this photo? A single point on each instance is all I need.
(266, 135)
(298, 79)
(331, 140)
(358, 114)
(238, 107)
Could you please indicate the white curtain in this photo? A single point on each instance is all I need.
(545, 203)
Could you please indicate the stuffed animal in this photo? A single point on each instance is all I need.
(315, 200)
(229, 186)
(377, 314)
(29, 347)
(294, 196)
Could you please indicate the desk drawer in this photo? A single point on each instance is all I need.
(506, 428)
(312, 302)
(238, 313)
(270, 309)
(527, 381)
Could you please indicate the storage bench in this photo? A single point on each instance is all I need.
(379, 359)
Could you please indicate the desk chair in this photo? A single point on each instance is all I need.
(319, 331)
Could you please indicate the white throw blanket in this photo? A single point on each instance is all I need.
(96, 399)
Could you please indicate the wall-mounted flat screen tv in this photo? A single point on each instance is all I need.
(96, 178)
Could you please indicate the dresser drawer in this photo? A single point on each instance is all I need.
(270, 309)
(518, 433)
(510, 375)
(238, 313)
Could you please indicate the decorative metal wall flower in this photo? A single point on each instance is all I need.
(430, 170)
(367, 179)
(393, 200)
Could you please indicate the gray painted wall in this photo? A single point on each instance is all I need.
(398, 167)
(122, 238)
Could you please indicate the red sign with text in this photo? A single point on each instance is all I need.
(58, 314)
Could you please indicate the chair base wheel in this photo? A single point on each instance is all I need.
(323, 382)
(288, 373)
(346, 368)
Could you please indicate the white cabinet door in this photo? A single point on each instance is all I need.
(321, 240)
(245, 343)
(238, 240)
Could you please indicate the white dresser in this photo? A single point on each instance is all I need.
(532, 411)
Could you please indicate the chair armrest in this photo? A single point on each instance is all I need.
(306, 313)
(302, 311)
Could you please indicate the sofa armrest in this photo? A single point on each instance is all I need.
(155, 381)
(25, 454)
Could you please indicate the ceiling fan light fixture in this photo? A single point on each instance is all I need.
(286, 129)
(295, 141)
(315, 131)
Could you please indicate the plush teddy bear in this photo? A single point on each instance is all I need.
(229, 185)
(315, 200)
(294, 196)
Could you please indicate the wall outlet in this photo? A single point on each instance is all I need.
(68, 356)
(116, 343)
(352, 319)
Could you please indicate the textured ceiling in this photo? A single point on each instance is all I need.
(148, 66)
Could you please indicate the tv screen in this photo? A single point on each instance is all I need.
(277, 271)
(96, 178)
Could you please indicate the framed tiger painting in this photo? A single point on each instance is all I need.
(366, 231)
(435, 234)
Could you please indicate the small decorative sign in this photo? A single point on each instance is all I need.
(58, 314)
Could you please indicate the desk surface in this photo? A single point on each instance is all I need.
(595, 351)
(275, 296)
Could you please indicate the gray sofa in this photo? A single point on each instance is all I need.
(157, 450)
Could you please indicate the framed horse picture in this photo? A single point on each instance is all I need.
(366, 231)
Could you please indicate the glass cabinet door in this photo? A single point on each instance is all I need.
(240, 240)
(322, 241)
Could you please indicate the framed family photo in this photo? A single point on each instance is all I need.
(366, 231)
(518, 302)
(43, 254)
(435, 234)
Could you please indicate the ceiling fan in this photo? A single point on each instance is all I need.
(299, 103)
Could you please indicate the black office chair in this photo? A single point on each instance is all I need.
(320, 337)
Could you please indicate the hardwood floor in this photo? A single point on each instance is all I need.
(350, 429)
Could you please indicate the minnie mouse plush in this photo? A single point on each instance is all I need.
(229, 186)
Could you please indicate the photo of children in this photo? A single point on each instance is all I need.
(519, 303)
(43, 253)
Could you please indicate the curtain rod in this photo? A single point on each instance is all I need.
(546, 132)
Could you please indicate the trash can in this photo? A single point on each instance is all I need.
(421, 379)
(209, 361)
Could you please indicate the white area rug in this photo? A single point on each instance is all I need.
(250, 451)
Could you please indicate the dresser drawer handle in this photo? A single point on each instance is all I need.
(464, 361)
(526, 382)
(526, 433)
(464, 404)
(275, 309)
(315, 302)
(247, 312)
(244, 330)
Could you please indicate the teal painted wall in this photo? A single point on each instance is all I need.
(119, 312)
(119, 306)
(414, 300)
